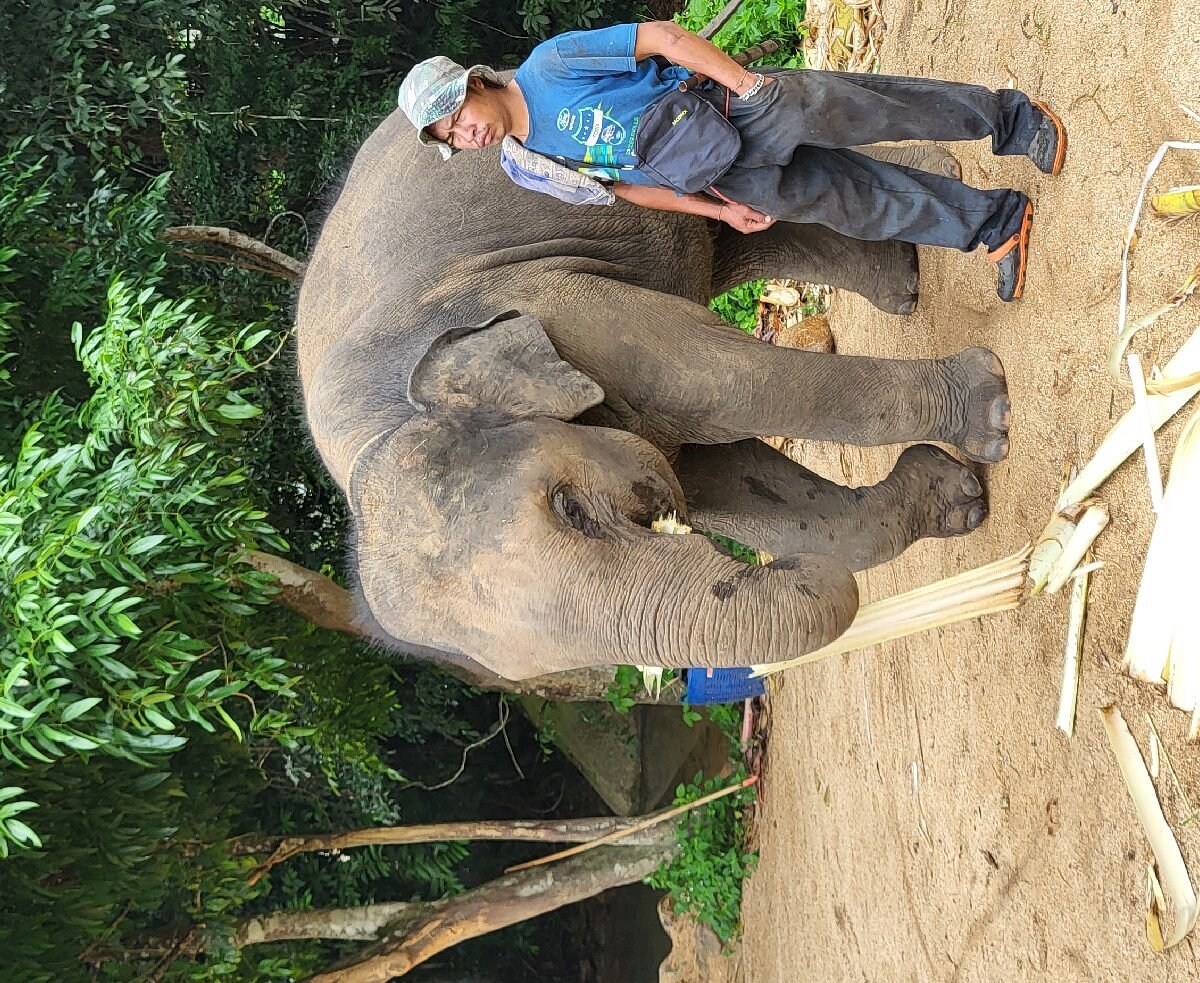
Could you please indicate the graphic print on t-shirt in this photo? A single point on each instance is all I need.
(593, 128)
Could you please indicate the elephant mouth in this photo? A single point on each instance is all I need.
(597, 517)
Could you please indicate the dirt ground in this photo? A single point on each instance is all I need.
(924, 820)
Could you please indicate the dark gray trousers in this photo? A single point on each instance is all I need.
(794, 166)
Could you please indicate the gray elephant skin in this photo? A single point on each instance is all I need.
(508, 390)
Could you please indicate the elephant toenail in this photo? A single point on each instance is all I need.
(996, 450)
(907, 307)
(1001, 412)
(976, 516)
(970, 485)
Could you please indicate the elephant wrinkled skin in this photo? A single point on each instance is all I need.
(508, 390)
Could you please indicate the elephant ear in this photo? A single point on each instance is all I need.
(506, 366)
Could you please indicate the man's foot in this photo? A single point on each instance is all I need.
(1048, 147)
(1011, 258)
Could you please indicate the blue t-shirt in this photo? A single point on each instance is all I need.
(586, 94)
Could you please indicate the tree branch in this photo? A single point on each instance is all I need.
(276, 263)
(320, 600)
(283, 848)
(411, 940)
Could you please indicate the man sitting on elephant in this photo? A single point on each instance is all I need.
(583, 95)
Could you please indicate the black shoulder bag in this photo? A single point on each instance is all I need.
(684, 142)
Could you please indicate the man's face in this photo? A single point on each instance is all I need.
(478, 122)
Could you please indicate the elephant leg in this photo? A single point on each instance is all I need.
(885, 273)
(753, 494)
(922, 156)
(675, 373)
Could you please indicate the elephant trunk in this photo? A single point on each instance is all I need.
(678, 602)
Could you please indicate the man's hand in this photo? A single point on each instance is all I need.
(744, 218)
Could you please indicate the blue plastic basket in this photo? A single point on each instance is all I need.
(723, 686)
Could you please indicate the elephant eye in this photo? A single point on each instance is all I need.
(570, 509)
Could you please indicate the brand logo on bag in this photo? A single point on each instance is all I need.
(682, 114)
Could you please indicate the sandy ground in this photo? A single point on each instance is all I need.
(924, 820)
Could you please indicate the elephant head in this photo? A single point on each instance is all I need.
(489, 525)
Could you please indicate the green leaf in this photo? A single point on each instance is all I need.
(143, 783)
(13, 674)
(145, 544)
(60, 641)
(16, 808)
(118, 669)
(78, 708)
(28, 747)
(229, 722)
(86, 517)
(238, 411)
(21, 833)
(157, 719)
(14, 709)
(199, 682)
(254, 339)
(126, 625)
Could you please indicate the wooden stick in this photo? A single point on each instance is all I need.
(622, 833)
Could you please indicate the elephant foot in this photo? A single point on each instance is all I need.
(946, 498)
(903, 298)
(921, 156)
(979, 410)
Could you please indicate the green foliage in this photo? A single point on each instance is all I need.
(121, 523)
(705, 878)
(628, 687)
(546, 18)
(739, 306)
(118, 865)
(755, 21)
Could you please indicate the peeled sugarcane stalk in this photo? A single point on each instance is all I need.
(1164, 635)
(1060, 548)
(1154, 824)
(988, 589)
(1068, 697)
(1126, 436)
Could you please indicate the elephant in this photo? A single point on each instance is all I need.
(508, 390)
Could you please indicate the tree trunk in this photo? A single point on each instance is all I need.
(318, 599)
(417, 935)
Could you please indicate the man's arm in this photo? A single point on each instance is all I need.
(668, 39)
(741, 217)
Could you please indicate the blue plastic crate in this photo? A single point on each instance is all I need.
(723, 686)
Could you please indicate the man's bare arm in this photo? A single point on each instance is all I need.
(741, 217)
(681, 47)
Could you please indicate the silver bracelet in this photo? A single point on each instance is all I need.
(759, 80)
